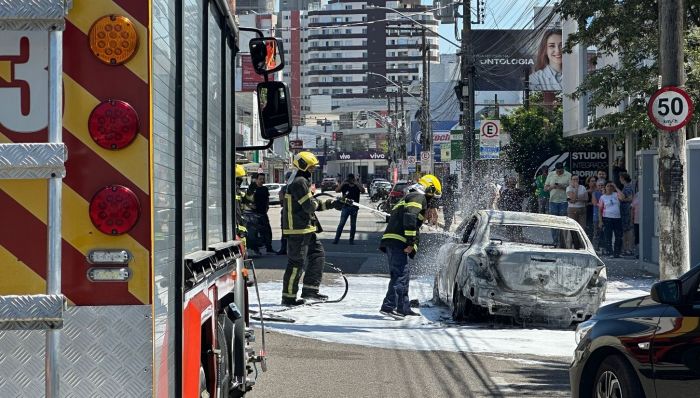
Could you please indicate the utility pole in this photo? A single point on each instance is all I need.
(426, 131)
(526, 96)
(397, 154)
(403, 127)
(673, 207)
(467, 80)
(496, 108)
(388, 130)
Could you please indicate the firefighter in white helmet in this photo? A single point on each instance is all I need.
(300, 225)
(400, 241)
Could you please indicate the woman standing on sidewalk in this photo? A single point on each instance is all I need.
(595, 200)
(610, 218)
(577, 197)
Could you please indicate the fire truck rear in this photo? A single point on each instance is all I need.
(122, 273)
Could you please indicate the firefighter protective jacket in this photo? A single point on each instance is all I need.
(241, 230)
(406, 219)
(299, 207)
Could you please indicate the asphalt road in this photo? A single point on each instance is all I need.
(301, 367)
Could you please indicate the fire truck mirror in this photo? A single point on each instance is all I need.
(266, 54)
(274, 109)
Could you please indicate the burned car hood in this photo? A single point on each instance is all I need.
(531, 270)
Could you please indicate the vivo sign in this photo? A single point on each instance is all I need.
(361, 155)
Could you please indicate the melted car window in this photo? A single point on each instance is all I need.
(536, 235)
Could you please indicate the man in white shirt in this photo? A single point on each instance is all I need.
(556, 184)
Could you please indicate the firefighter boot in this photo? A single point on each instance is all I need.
(292, 302)
(313, 295)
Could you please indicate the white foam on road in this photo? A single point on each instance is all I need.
(356, 320)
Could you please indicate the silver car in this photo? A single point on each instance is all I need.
(534, 268)
(274, 189)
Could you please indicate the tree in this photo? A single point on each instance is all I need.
(630, 30)
(536, 134)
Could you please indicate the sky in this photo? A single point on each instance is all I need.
(500, 14)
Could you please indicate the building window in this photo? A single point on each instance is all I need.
(314, 91)
(348, 31)
(348, 91)
(348, 7)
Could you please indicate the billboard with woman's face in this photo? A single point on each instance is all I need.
(508, 60)
(547, 71)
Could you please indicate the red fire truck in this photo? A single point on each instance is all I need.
(121, 270)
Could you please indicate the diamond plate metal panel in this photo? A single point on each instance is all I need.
(31, 312)
(30, 161)
(33, 14)
(105, 352)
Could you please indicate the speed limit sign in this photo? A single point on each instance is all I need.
(670, 108)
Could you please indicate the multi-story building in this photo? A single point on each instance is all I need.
(345, 57)
(298, 5)
(255, 7)
(350, 43)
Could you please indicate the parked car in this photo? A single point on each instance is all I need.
(274, 192)
(533, 268)
(373, 185)
(329, 184)
(397, 192)
(646, 346)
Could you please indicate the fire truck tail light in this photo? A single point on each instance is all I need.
(113, 39)
(109, 256)
(113, 124)
(121, 274)
(114, 210)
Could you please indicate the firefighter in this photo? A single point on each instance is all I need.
(300, 226)
(241, 230)
(400, 241)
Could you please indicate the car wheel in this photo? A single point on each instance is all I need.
(615, 379)
(460, 305)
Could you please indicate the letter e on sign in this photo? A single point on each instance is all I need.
(670, 108)
(24, 81)
(490, 129)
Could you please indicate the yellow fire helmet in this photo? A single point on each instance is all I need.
(431, 184)
(240, 171)
(305, 160)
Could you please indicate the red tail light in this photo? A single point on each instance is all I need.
(396, 194)
(114, 210)
(113, 124)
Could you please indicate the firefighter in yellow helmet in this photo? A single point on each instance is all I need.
(400, 241)
(241, 230)
(300, 225)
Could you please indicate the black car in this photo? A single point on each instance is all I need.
(644, 347)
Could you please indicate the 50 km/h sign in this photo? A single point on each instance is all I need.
(670, 108)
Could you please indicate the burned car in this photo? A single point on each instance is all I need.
(534, 268)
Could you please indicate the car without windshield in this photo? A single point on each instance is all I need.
(534, 268)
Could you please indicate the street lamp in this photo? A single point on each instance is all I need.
(394, 83)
